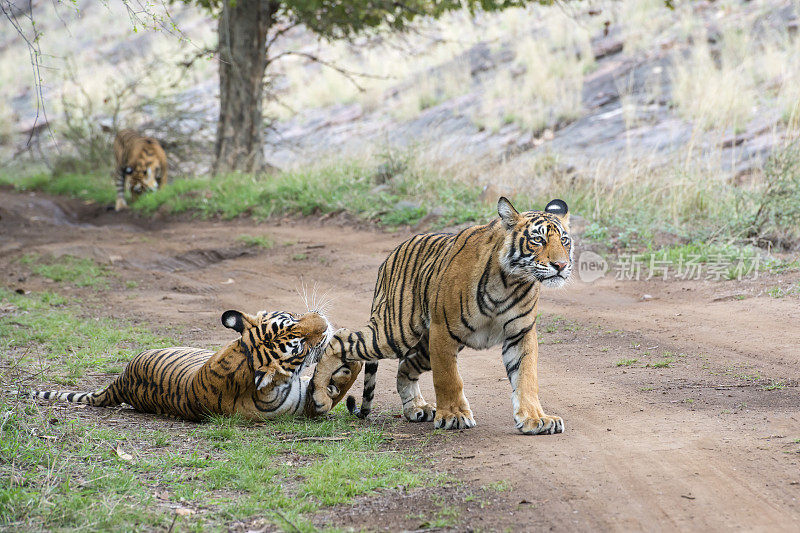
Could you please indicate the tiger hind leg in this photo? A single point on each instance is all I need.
(415, 408)
(369, 345)
(370, 379)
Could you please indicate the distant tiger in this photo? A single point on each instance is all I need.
(141, 165)
(256, 376)
(439, 292)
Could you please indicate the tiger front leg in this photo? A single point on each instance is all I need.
(452, 407)
(321, 399)
(325, 392)
(341, 381)
(520, 357)
(119, 179)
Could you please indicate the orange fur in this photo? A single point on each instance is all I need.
(141, 165)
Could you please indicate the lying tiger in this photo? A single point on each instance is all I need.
(256, 376)
(439, 292)
(141, 166)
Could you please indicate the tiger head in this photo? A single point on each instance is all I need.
(143, 176)
(537, 246)
(279, 345)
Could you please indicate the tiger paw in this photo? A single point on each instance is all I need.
(454, 418)
(321, 401)
(544, 425)
(341, 381)
(121, 204)
(420, 413)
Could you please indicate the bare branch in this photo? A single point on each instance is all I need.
(140, 13)
(351, 75)
(199, 54)
(279, 33)
(10, 11)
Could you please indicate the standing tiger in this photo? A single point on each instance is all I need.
(257, 376)
(141, 166)
(439, 292)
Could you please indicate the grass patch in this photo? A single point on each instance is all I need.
(66, 474)
(358, 188)
(445, 517)
(708, 253)
(401, 199)
(664, 363)
(96, 187)
(780, 292)
(79, 271)
(256, 241)
(498, 486)
(627, 362)
(695, 261)
(45, 331)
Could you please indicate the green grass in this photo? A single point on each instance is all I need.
(45, 331)
(775, 385)
(707, 252)
(498, 486)
(344, 187)
(445, 517)
(703, 260)
(67, 475)
(256, 241)
(780, 292)
(96, 187)
(664, 363)
(81, 272)
(627, 362)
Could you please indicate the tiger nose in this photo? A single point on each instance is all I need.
(559, 265)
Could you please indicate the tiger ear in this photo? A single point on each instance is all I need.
(233, 320)
(507, 213)
(558, 208)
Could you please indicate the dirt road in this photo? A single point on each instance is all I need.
(711, 441)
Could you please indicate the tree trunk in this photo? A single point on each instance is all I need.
(243, 61)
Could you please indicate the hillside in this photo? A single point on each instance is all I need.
(680, 108)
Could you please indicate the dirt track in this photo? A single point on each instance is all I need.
(698, 445)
